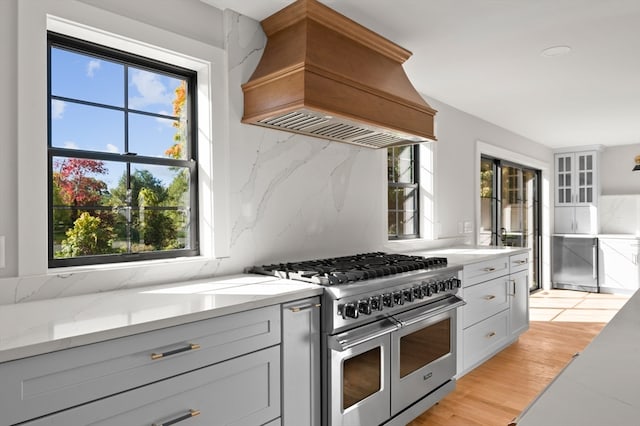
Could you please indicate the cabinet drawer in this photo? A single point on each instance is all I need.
(519, 262)
(485, 338)
(244, 391)
(484, 300)
(47, 383)
(483, 271)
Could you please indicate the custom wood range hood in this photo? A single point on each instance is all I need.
(324, 75)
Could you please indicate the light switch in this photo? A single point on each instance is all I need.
(2, 264)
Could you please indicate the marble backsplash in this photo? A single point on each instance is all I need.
(619, 214)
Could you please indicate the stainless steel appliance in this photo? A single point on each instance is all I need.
(388, 334)
(575, 263)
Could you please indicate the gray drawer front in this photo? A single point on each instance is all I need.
(484, 300)
(519, 262)
(40, 385)
(485, 338)
(477, 272)
(244, 391)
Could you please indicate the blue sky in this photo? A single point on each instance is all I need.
(85, 127)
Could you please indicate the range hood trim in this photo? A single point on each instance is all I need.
(292, 79)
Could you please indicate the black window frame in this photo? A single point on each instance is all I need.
(72, 44)
(415, 184)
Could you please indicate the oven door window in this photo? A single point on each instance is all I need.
(423, 346)
(361, 377)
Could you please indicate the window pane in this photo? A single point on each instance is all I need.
(155, 92)
(156, 136)
(392, 198)
(393, 224)
(407, 225)
(86, 78)
(407, 199)
(77, 126)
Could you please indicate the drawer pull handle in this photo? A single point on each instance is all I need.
(191, 347)
(191, 413)
(305, 307)
(520, 262)
(489, 269)
(490, 297)
(490, 335)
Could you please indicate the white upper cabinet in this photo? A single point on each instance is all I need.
(576, 192)
(576, 179)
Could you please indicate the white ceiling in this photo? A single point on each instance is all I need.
(483, 57)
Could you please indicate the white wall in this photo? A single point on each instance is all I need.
(616, 175)
(456, 163)
(290, 196)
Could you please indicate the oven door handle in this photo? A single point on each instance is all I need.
(344, 341)
(444, 305)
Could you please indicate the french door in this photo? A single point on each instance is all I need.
(510, 209)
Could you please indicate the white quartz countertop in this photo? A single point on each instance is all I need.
(463, 255)
(601, 386)
(33, 328)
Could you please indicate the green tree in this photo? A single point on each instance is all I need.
(156, 226)
(89, 236)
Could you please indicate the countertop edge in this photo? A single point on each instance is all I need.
(36, 349)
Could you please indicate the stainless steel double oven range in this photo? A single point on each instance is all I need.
(388, 334)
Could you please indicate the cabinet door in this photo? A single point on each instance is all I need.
(244, 391)
(618, 265)
(564, 220)
(584, 220)
(564, 179)
(585, 178)
(519, 303)
(301, 363)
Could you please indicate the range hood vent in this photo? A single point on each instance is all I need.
(324, 75)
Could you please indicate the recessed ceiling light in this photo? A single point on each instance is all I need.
(553, 51)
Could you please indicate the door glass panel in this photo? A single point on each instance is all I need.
(589, 195)
(589, 162)
(582, 195)
(589, 178)
(561, 195)
(487, 202)
(568, 164)
(581, 162)
(560, 164)
(581, 179)
(361, 377)
(424, 346)
(568, 180)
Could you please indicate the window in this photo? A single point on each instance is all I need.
(403, 192)
(122, 158)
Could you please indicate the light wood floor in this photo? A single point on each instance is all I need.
(497, 391)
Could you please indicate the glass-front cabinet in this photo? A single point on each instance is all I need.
(576, 178)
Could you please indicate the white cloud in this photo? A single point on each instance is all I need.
(151, 90)
(164, 121)
(112, 148)
(70, 145)
(57, 109)
(92, 66)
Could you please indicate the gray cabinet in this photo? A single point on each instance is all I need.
(241, 391)
(497, 309)
(301, 361)
(155, 376)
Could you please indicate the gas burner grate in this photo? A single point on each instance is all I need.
(347, 269)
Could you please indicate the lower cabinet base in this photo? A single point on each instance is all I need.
(243, 391)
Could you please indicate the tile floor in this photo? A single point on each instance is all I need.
(574, 306)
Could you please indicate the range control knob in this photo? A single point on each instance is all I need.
(364, 306)
(417, 292)
(450, 284)
(408, 294)
(426, 290)
(376, 302)
(398, 298)
(434, 288)
(458, 282)
(387, 300)
(442, 286)
(349, 310)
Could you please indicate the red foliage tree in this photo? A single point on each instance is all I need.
(77, 186)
